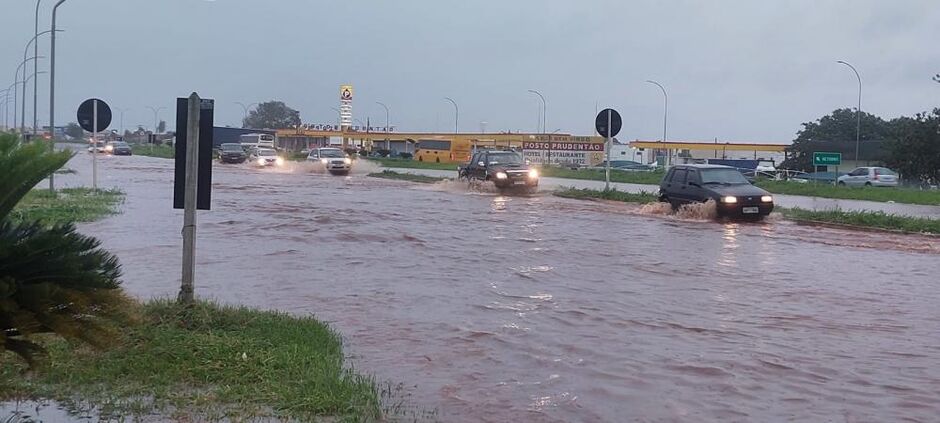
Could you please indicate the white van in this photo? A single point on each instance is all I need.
(249, 141)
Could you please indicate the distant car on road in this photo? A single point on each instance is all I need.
(99, 146)
(232, 153)
(118, 148)
(336, 161)
(506, 169)
(265, 157)
(627, 165)
(731, 191)
(871, 177)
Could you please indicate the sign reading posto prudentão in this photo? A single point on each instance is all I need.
(568, 153)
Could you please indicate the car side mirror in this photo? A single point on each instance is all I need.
(481, 164)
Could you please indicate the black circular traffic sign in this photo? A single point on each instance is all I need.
(86, 115)
(600, 123)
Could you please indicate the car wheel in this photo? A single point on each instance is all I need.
(841, 184)
(867, 184)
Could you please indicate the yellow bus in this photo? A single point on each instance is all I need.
(458, 150)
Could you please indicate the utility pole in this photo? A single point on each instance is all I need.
(387, 145)
(189, 200)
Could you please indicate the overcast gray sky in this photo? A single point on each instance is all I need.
(736, 70)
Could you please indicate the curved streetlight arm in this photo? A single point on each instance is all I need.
(544, 105)
(456, 114)
(858, 111)
(665, 110)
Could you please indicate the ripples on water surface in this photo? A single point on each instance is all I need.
(498, 308)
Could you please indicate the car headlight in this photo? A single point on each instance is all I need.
(767, 199)
(279, 161)
(347, 160)
(533, 173)
(729, 200)
(324, 161)
(261, 161)
(501, 175)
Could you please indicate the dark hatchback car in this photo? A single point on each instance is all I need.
(118, 148)
(506, 169)
(232, 153)
(730, 190)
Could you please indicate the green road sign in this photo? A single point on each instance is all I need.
(827, 159)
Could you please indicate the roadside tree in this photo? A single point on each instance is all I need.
(915, 151)
(74, 131)
(840, 125)
(272, 115)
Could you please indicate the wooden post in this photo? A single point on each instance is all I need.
(189, 200)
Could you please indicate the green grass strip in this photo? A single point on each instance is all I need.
(612, 195)
(866, 219)
(67, 205)
(207, 362)
(390, 174)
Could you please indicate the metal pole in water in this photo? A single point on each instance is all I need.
(189, 200)
(94, 146)
(607, 167)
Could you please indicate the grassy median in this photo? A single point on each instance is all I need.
(861, 219)
(205, 362)
(161, 151)
(390, 174)
(412, 164)
(882, 194)
(67, 205)
(612, 195)
(865, 219)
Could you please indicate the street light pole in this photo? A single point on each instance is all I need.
(35, 40)
(387, 144)
(549, 161)
(122, 110)
(16, 85)
(858, 111)
(52, 89)
(456, 114)
(156, 111)
(665, 116)
(245, 108)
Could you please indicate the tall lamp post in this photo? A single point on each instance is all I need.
(858, 111)
(35, 40)
(52, 88)
(456, 114)
(156, 112)
(387, 144)
(549, 161)
(665, 116)
(122, 110)
(245, 108)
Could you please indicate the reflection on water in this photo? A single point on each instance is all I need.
(515, 308)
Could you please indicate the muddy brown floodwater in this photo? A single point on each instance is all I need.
(540, 309)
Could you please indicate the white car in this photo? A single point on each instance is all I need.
(336, 161)
(265, 157)
(871, 177)
(100, 147)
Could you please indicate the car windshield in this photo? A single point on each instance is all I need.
(722, 176)
(120, 144)
(266, 152)
(231, 147)
(504, 158)
(332, 153)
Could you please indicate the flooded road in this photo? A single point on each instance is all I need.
(541, 309)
